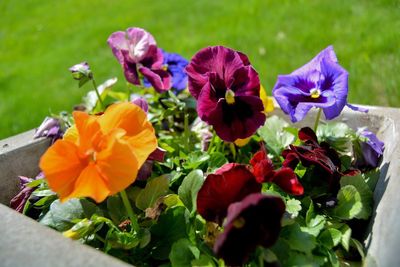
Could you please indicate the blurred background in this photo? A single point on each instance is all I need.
(41, 39)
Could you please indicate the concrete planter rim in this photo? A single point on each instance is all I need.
(22, 236)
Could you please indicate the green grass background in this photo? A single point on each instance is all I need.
(40, 40)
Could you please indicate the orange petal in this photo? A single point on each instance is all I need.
(61, 166)
(139, 131)
(125, 115)
(71, 134)
(90, 184)
(143, 144)
(117, 162)
(88, 129)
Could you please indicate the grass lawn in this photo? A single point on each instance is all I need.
(40, 40)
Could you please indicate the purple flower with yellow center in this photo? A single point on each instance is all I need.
(227, 90)
(137, 51)
(321, 83)
(175, 65)
(254, 221)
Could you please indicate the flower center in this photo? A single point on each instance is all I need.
(315, 93)
(230, 97)
(239, 222)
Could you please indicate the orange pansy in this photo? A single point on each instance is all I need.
(100, 155)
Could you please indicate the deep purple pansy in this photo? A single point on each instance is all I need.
(254, 221)
(321, 83)
(137, 51)
(175, 65)
(18, 202)
(230, 183)
(371, 150)
(285, 178)
(227, 90)
(325, 159)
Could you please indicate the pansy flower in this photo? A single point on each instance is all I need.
(254, 221)
(370, 152)
(227, 90)
(312, 153)
(230, 183)
(137, 51)
(100, 155)
(175, 65)
(18, 202)
(285, 178)
(321, 83)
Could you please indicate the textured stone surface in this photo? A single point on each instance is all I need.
(24, 242)
(20, 236)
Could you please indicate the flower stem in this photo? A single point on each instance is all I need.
(186, 132)
(97, 93)
(317, 120)
(130, 212)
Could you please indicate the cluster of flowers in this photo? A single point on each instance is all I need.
(106, 152)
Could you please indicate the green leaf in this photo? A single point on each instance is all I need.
(315, 222)
(298, 239)
(61, 215)
(371, 178)
(204, 261)
(122, 240)
(337, 134)
(293, 206)
(349, 203)
(155, 188)
(189, 188)
(43, 193)
(172, 200)
(356, 244)
(195, 159)
(115, 209)
(275, 137)
(171, 226)
(183, 252)
(217, 159)
(330, 237)
(35, 183)
(346, 235)
(365, 193)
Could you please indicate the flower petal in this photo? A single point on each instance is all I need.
(117, 163)
(62, 165)
(229, 184)
(160, 79)
(90, 184)
(117, 41)
(287, 180)
(254, 221)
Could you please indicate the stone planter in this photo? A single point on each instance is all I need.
(24, 242)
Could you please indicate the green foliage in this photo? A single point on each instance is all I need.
(183, 252)
(61, 216)
(274, 134)
(365, 192)
(337, 134)
(191, 184)
(171, 227)
(154, 189)
(349, 203)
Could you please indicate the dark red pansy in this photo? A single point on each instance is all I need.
(254, 221)
(285, 178)
(229, 184)
(312, 153)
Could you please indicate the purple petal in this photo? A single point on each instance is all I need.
(139, 42)
(157, 155)
(117, 41)
(315, 63)
(159, 79)
(357, 108)
(221, 60)
(141, 102)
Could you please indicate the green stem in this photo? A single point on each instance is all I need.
(210, 146)
(232, 147)
(317, 120)
(130, 212)
(186, 132)
(98, 94)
